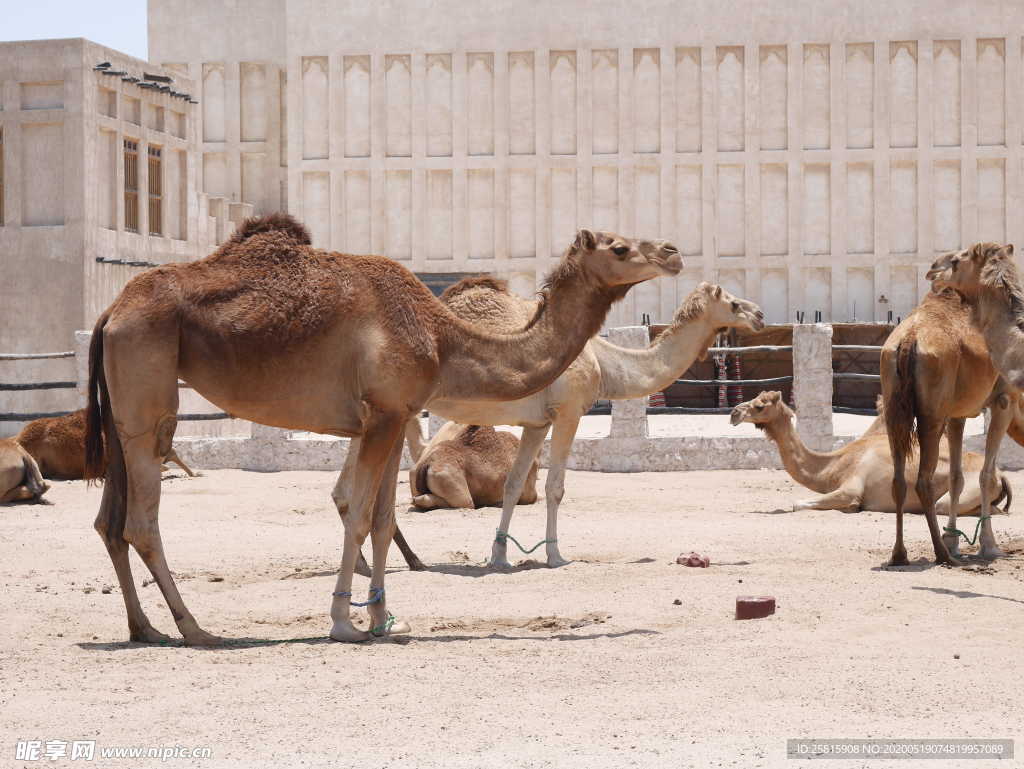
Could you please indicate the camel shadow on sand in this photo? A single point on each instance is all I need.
(965, 593)
(239, 644)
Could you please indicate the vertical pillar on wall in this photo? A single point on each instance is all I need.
(629, 417)
(812, 383)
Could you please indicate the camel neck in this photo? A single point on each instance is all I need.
(991, 313)
(805, 466)
(480, 366)
(636, 373)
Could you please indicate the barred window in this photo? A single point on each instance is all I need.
(131, 185)
(156, 186)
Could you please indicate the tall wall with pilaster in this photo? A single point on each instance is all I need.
(810, 155)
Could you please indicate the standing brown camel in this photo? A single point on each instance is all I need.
(986, 276)
(277, 332)
(466, 466)
(935, 369)
(57, 444)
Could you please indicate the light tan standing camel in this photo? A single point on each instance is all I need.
(986, 276)
(466, 466)
(57, 444)
(936, 371)
(857, 476)
(277, 332)
(603, 370)
(20, 479)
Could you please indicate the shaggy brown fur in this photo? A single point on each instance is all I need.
(469, 468)
(58, 446)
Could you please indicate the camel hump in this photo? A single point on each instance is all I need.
(277, 222)
(484, 282)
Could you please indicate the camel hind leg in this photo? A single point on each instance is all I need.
(562, 436)
(929, 435)
(172, 456)
(447, 484)
(110, 526)
(955, 436)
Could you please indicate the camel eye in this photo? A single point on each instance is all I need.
(759, 408)
(620, 250)
(735, 306)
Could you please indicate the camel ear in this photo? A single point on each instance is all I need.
(718, 292)
(585, 240)
(1008, 249)
(774, 396)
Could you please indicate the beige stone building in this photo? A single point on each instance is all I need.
(98, 181)
(810, 155)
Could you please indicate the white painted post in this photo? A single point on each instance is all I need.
(812, 383)
(629, 418)
(82, 340)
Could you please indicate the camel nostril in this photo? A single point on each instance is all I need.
(670, 248)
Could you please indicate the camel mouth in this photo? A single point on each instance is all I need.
(670, 265)
(736, 416)
(757, 324)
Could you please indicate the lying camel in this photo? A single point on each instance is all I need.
(20, 479)
(58, 445)
(859, 475)
(466, 466)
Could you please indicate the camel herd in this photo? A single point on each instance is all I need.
(275, 331)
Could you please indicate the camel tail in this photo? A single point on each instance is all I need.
(421, 479)
(900, 407)
(98, 408)
(33, 478)
(1005, 492)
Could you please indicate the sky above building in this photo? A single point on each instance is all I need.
(119, 24)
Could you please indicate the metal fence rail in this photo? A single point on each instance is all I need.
(38, 386)
(35, 356)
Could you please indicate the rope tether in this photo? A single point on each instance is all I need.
(500, 537)
(378, 596)
(977, 529)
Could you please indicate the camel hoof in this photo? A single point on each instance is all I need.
(498, 563)
(991, 553)
(952, 543)
(416, 565)
(398, 627)
(949, 560)
(346, 632)
(202, 638)
(554, 563)
(149, 635)
(899, 559)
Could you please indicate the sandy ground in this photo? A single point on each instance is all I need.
(593, 664)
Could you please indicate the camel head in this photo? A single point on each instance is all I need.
(615, 260)
(723, 310)
(967, 270)
(765, 408)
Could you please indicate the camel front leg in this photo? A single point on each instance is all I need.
(382, 623)
(1000, 415)
(562, 436)
(529, 447)
(955, 435)
(381, 432)
(847, 499)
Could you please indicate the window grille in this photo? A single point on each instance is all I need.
(156, 186)
(131, 185)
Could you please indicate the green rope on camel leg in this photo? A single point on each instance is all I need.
(501, 536)
(385, 626)
(977, 530)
